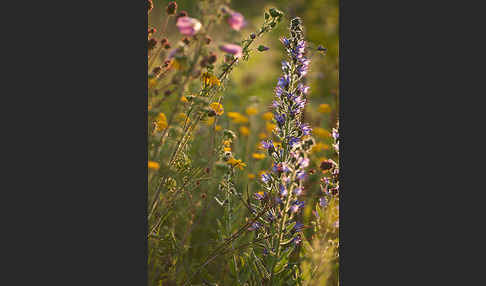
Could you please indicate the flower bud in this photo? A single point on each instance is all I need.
(164, 41)
(212, 58)
(181, 14)
(171, 8)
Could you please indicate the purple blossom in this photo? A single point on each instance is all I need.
(268, 144)
(285, 41)
(280, 118)
(298, 191)
(306, 129)
(293, 140)
(298, 227)
(259, 196)
(283, 81)
(300, 102)
(301, 175)
(303, 162)
(302, 88)
(283, 190)
(266, 178)
(285, 66)
(275, 104)
(296, 206)
(322, 201)
(254, 226)
(297, 240)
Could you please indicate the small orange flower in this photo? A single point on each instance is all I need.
(153, 165)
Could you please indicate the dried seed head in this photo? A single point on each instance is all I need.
(167, 46)
(150, 6)
(164, 41)
(156, 71)
(168, 92)
(186, 41)
(212, 58)
(207, 40)
(326, 165)
(171, 8)
(203, 195)
(151, 44)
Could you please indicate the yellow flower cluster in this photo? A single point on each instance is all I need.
(160, 122)
(258, 156)
(244, 130)
(324, 108)
(320, 147)
(210, 79)
(217, 108)
(321, 132)
(268, 116)
(251, 111)
(237, 117)
(236, 163)
(251, 176)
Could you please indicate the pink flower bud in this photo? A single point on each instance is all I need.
(235, 50)
(236, 21)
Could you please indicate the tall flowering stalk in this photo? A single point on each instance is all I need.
(284, 183)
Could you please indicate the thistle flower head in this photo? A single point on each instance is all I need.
(188, 26)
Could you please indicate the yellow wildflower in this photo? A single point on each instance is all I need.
(237, 117)
(181, 117)
(236, 163)
(262, 135)
(251, 176)
(160, 122)
(267, 116)
(319, 147)
(277, 144)
(270, 126)
(152, 83)
(251, 110)
(149, 107)
(227, 149)
(227, 143)
(258, 156)
(209, 121)
(184, 99)
(321, 132)
(217, 108)
(218, 128)
(153, 165)
(324, 108)
(261, 173)
(210, 79)
(244, 130)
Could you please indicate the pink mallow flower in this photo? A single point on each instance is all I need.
(188, 26)
(233, 49)
(236, 21)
